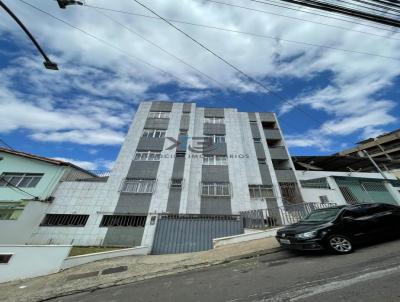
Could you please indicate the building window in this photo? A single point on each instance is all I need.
(11, 210)
(216, 138)
(123, 220)
(215, 160)
(158, 114)
(176, 183)
(153, 133)
(20, 180)
(215, 189)
(147, 155)
(5, 258)
(213, 120)
(69, 220)
(132, 185)
(261, 191)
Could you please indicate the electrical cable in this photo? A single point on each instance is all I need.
(252, 79)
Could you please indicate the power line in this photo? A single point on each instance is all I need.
(7, 145)
(248, 33)
(300, 2)
(285, 101)
(105, 42)
(317, 12)
(305, 20)
(325, 6)
(162, 49)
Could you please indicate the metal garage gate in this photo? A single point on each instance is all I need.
(192, 233)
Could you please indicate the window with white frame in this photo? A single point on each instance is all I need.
(261, 191)
(153, 133)
(158, 114)
(147, 155)
(133, 185)
(215, 189)
(216, 138)
(20, 180)
(213, 120)
(215, 160)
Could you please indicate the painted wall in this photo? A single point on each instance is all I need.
(334, 194)
(14, 163)
(30, 261)
(19, 231)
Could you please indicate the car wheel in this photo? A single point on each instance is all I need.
(340, 244)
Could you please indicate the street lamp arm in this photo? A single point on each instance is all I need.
(47, 63)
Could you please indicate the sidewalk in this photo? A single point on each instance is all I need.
(125, 270)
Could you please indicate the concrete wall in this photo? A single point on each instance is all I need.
(83, 259)
(91, 198)
(19, 231)
(217, 242)
(30, 261)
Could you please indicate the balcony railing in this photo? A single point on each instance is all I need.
(278, 216)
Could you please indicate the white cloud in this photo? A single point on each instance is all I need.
(83, 137)
(96, 165)
(91, 99)
(87, 165)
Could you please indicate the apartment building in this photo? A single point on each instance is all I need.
(182, 168)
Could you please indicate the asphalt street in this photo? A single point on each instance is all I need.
(371, 273)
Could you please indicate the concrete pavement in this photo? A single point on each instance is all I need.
(372, 273)
(125, 270)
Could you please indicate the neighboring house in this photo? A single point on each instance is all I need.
(27, 183)
(339, 179)
(384, 146)
(184, 171)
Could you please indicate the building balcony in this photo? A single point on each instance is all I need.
(285, 175)
(272, 134)
(278, 153)
(267, 117)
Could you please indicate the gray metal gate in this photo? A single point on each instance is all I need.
(186, 233)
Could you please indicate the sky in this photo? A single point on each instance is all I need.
(326, 98)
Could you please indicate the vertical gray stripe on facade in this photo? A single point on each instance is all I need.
(187, 107)
(161, 106)
(132, 203)
(174, 196)
(214, 112)
(210, 173)
(260, 152)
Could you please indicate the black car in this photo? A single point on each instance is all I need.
(340, 228)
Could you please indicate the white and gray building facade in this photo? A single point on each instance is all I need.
(177, 159)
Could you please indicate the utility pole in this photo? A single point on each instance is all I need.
(375, 164)
(47, 62)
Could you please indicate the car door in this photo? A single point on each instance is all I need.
(361, 223)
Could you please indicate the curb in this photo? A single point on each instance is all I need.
(185, 268)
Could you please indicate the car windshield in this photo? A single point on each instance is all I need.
(322, 215)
